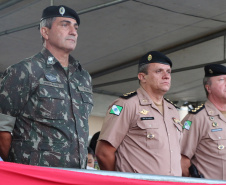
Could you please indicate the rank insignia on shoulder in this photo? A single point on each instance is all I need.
(187, 125)
(197, 109)
(116, 109)
(128, 95)
(172, 103)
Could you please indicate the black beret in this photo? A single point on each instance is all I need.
(214, 70)
(60, 11)
(155, 57)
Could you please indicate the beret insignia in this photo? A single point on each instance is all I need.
(214, 70)
(197, 109)
(155, 57)
(149, 57)
(128, 95)
(62, 10)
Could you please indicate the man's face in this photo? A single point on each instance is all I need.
(158, 79)
(63, 34)
(217, 89)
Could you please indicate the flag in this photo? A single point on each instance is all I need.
(116, 109)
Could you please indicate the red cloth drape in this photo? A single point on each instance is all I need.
(19, 174)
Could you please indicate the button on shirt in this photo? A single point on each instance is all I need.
(146, 141)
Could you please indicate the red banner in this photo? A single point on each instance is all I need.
(19, 174)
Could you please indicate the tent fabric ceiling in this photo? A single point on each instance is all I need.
(114, 34)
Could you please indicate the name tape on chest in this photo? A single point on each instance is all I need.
(217, 129)
(47, 83)
(147, 118)
(84, 89)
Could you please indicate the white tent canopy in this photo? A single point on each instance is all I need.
(114, 34)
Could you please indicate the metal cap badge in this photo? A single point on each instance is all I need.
(60, 11)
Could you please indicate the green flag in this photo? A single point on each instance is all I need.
(116, 109)
(187, 124)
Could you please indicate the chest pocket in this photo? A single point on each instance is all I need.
(178, 131)
(87, 98)
(217, 142)
(149, 133)
(51, 101)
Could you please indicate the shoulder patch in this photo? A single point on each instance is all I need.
(187, 125)
(197, 109)
(116, 109)
(172, 103)
(128, 95)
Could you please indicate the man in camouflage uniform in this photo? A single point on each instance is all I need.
(49, 97)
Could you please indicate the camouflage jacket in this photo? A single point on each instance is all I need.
(51, 109)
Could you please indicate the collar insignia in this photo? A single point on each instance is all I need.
(50, 60)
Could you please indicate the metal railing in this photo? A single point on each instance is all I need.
(148, 176)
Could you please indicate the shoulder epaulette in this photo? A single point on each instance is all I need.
(172, 103)
(197, 109)
(128, 95)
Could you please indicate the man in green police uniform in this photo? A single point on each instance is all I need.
(49, 98)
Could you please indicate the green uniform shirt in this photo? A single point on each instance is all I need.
(51, 110)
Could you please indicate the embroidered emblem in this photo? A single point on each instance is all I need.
(50, 77)
(116, 109)
(197, 109)
(187, 125)
(128, 95)
(144, 112)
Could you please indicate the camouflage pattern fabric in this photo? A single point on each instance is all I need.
(51, 109)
